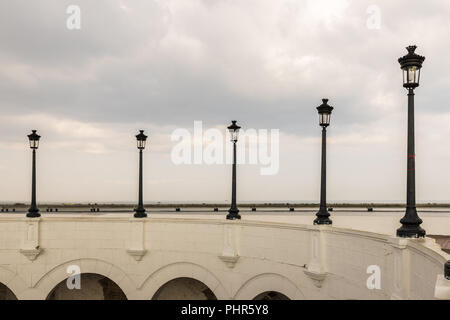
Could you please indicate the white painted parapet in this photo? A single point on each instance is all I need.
(234, 259)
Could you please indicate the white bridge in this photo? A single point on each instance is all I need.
(199, 255)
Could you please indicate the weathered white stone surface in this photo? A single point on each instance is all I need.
(234, 259)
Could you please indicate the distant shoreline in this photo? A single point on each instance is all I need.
(224, 205)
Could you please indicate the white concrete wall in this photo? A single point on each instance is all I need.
(235, 259)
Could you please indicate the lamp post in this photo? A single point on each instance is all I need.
(324, 120)
(33, 212)
(447, 270)
(141, 139)
(234, 211)
(411, 65)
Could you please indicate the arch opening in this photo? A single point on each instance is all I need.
(6, 293)
(184, 289)
(92, 286)
(271, 295)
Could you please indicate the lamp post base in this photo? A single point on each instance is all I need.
(33, 213)
(413, 231)
(233, 214)
(140, 213)
(411, 225)
(323, 217)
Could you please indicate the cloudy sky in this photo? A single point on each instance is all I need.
(161, 65)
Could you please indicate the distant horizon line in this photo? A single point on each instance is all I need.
(227, 203)
(211, 201)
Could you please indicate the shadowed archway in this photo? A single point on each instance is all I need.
(92, 287)
(6, 293)
(271, 295)
(184, 289)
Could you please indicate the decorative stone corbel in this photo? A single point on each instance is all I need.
(137, 254)
(316, 268)
(230, 252)
(316, 277)
(30, 244)
(230, 261)
(136, 247)
(31, 254)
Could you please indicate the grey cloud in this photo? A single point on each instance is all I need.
(174, 62)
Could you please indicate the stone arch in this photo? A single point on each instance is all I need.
(267, 282)
(12, 281)
(182, 270)
(94, 266)
(92, 287)
(184, 289)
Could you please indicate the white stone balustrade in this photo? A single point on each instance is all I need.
(235, 259)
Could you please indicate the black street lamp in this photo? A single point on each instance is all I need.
(141, 139)
(324, 120)
(411, 64)
(234, 211)
(33, 212)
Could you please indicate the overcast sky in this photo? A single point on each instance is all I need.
(161, 65)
